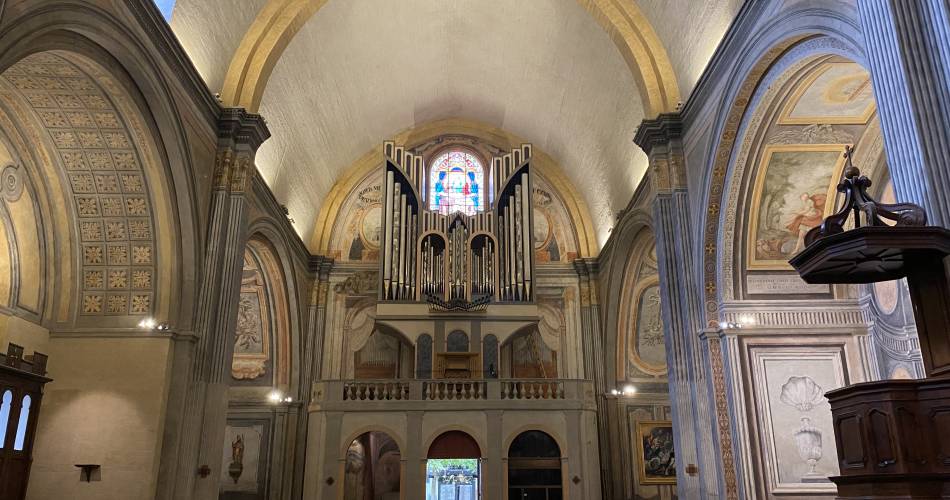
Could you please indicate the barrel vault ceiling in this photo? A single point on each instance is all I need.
(574, 77)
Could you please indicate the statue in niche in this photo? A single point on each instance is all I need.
(237, 458)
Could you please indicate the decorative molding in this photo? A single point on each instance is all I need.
(658, 131)
(781, 284)
(102, 158)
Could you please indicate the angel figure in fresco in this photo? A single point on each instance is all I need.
(806, 217)
(246, 334)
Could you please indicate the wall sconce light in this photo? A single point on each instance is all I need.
(277, 397)
(152, 324)
(629, 390)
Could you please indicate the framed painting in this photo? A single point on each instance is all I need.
(794, 191)
(656, 459)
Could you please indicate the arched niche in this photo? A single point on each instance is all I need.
(641, 348)
(454, 444)
(354, 233)
(92, 171)
(527, 355)
(457, 341)
(534, 466)
(385, 354)
(261, 355)
(372, 468)
(490, 356)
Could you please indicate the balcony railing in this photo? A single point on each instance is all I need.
(438, 390)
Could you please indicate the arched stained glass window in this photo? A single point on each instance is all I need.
(5, 416)
(21, 425)
(456, 184)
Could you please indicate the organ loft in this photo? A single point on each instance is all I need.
(467, 261)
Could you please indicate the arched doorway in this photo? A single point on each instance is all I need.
(453, 468)
(373, 468)
(534, 467)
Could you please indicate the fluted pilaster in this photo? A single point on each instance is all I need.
(908, 51)
(205, 411)
(693, 404)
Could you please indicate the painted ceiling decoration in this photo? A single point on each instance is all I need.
(335, 78)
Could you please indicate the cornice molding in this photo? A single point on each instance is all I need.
(168, 46)
(242, 128)
(660, 130)
(721, 62)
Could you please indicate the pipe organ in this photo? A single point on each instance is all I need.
(456, 259)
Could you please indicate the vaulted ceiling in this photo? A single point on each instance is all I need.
(335, 78)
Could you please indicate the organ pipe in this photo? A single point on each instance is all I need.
(456, 257)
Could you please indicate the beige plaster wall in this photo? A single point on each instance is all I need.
(105, 406)
(33, 337)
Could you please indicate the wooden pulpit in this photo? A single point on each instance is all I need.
(892, 436)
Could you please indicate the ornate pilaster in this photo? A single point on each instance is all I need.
(205, 409)
(592, 336)
(908, 49)
(694, 405)
(312, 357)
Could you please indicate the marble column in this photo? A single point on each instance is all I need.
(699, 463)
(908, 54)
(198, 451)
(592, 336)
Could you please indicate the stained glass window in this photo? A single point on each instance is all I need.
(455, 184)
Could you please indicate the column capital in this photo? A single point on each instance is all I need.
(239, 129)
(661, 139)
(659, 131)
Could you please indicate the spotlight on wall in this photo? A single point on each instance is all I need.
(728, 325)
(275, 397)
(629, 390)
(148, 324)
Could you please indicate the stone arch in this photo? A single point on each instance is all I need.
(786, 31)
(617, 254)
(96, 39)
(112, 184)
(264, 314)
(433, 436)
(556, 437)
(640, 277)
(279, 21)
(357, 173)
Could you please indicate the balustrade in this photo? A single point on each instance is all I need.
(452, 390)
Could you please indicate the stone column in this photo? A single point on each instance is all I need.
(908, 52)
(205, 410)
(414, 458)
(592, 336)
(695, 434)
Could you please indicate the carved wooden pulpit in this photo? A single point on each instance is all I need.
(892, 436)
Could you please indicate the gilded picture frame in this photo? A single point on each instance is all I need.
(656, 460)
(760, 254)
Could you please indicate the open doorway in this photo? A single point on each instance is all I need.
(453, 468)
(534, 467)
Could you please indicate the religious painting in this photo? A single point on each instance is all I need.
(456, 184)
(553, 232)
(656, 458)
(356, 231)
(794, 192)
(242, 460)
(253, 330)
(836, 93)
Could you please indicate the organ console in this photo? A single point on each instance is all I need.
(456, 260)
